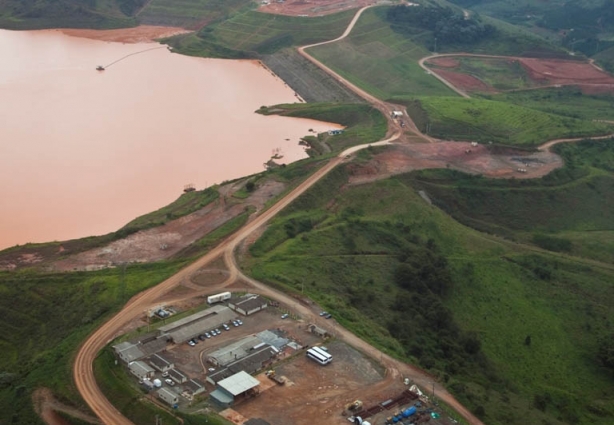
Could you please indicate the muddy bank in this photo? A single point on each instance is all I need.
(140, 34)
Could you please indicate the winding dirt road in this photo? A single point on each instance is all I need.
(83, 366)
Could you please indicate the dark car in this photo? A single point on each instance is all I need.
(202, 337)
(328, 316)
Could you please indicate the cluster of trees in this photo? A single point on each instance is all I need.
(447, 25)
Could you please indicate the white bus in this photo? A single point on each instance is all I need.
(319, 355)
(219, 297)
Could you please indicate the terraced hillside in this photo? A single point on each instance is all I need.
(250, 33)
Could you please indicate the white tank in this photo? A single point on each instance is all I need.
(366, 423)
(157, 383)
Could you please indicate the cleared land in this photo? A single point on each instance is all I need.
(498, 73)
(497, 122)
(313, 7)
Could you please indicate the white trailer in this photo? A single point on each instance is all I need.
(218, 298)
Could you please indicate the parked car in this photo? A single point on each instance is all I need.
(235, 323)
(284, 316)
(226, 327)
(211, 369)
(207, 335)
(164, 374)
(328, 316)
(169, 382)
(191, 343)
(323, 313)
(217, 331)
(239, 322)
(202, 337)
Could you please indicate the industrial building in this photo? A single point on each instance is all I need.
(196, 324)
(160, 363)
(168, 396)
(235, 388)
(255, 361)
(248, 304)
(128, 352)
(141, 370)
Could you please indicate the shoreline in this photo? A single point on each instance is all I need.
(133, 35)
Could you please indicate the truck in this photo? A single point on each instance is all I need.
(218, 298)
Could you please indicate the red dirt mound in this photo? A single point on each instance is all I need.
(559, 72)
(444, 62)
(465, 82)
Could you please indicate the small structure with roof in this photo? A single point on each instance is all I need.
(128, 352)
(141, 370)
(235, 351)
(160, 363)
(194, 387)
(235, 388)
(322, 333)
(248, 304)
(177, 376)
(168, 396)
(255, 361)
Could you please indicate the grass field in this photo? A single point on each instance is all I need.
(537, 317)
(566, 101)
(364, 124)
(498, 122)
(192, 14)
(250, 34)
(45, 316)
(379, 60)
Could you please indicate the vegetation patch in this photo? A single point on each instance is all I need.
(45, 318)
(251, 34)
(507, 330)
(497, 122)
(363, 123)
(191, 14)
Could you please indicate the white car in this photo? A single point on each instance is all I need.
(169, 382)
(191, 343)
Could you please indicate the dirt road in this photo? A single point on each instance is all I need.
(83, 366)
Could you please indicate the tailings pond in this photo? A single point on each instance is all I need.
(82, 152)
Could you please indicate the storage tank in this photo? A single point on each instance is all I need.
(157, 383)
(409, 411)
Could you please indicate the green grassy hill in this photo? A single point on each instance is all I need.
(566, 101)
(251, 33)
(192, 14)
(498, 122)
(512, 330)
(35, 14)
(569, 210)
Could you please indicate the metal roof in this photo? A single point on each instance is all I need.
(128, 351)
(234, 351)
(191, 318)
(273, 339)
(159, 361)
(140, 366)
(221, 315)
(238, 383)
(167, 392)
(249, 304)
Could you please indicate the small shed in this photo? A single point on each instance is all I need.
(194, 387)
(239, 386)
(141, 370)
(168, 396)
(322, 333)
(248, 305)
(128, 352)
(160, 363)
(177, 376)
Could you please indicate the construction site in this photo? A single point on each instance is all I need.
(248, 357)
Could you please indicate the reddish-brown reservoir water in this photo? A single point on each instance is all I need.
(82, 152)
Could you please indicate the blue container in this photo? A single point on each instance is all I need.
(409, 411)
(395, 419)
